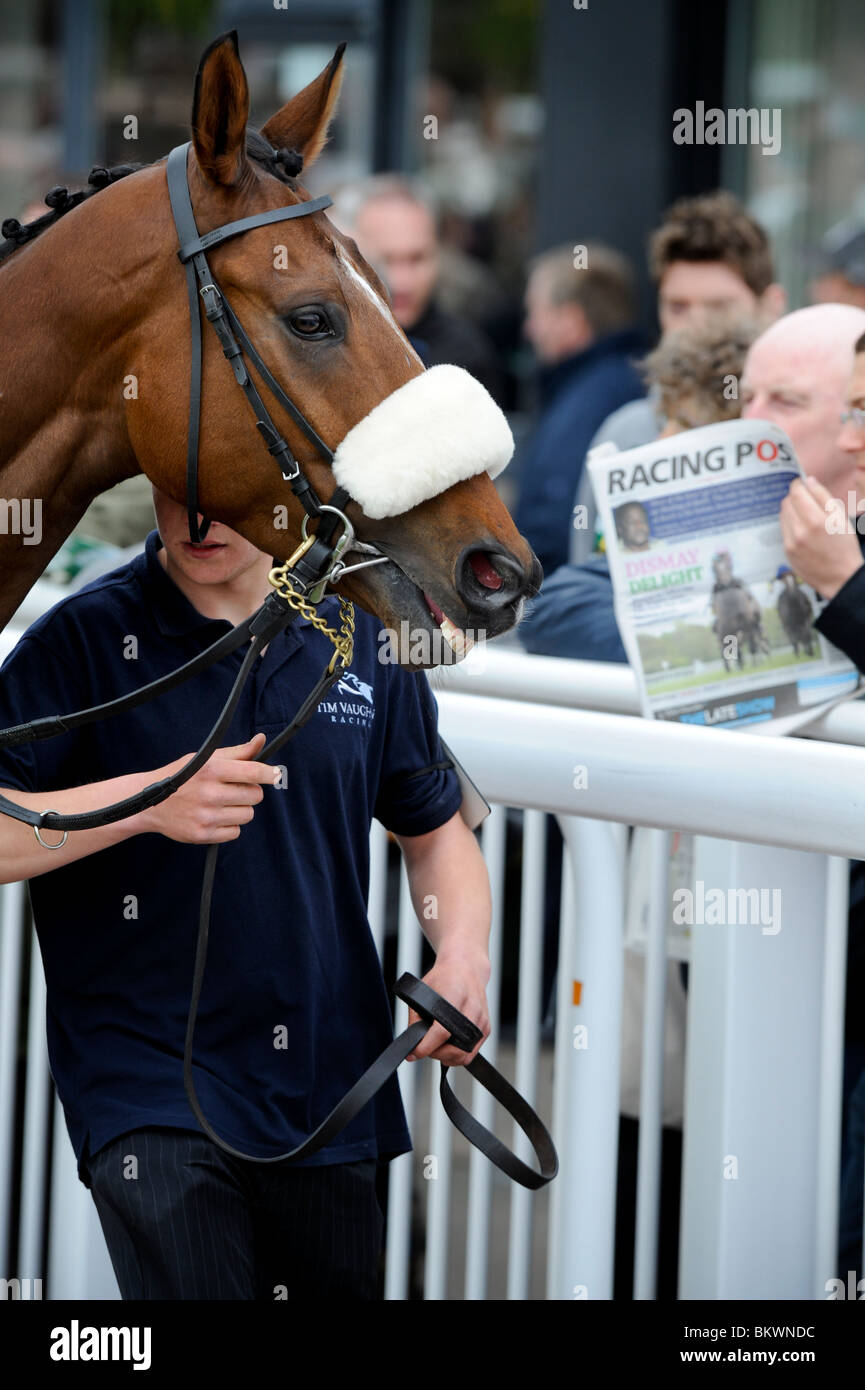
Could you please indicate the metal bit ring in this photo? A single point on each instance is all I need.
(60, 843)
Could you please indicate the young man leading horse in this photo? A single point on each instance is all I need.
(294, 1005)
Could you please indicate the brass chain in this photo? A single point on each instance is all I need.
(343, 641)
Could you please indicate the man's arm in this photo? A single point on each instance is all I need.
(208, 809)
(450, 890)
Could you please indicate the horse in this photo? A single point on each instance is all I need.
(95, 372)
(737, 614)
(795, 612)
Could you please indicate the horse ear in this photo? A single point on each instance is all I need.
(302, 124)
(220, 112)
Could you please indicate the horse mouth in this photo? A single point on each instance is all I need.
(421, 629)
(459, 641)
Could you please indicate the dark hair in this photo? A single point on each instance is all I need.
(59, 201)
(713, 227)
(859, 345)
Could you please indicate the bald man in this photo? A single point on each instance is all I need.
(823, 529)
(796, 375)
(824, 541)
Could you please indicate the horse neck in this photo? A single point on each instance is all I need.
(68, 306)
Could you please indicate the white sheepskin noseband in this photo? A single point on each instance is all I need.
(434, 431)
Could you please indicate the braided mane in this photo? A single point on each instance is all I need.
(284, 164)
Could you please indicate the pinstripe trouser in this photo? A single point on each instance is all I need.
(183, 1220)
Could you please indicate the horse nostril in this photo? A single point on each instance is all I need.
(489, 578)
(484, 570)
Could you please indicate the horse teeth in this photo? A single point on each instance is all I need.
(456, 639)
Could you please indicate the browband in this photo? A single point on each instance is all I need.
(245, 224)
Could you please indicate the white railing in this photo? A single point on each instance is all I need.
(745, 1092)
(800, 794)
(776, 1110)
(506, 672)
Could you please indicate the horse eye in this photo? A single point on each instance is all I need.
(309, 323)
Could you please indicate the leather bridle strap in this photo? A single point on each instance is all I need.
(432, 1006)
(196, 245)
(201, 282)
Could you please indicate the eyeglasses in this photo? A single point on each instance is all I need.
(854, 414)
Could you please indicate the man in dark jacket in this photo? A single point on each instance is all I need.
(579, 315)
(825, 540)
(574, 616)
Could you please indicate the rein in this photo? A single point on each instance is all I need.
(299, 585)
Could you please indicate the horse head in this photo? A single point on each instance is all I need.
(415, 450)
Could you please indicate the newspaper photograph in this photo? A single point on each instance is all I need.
(717, 626)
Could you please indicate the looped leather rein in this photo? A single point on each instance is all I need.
(465, 1035)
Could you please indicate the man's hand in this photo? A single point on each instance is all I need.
(211, 807)
(462, 981)
(450, 890)
(821, 545)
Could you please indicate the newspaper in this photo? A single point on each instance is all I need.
(715, 624)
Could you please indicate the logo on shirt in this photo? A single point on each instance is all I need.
(350, 685)
(358, 706)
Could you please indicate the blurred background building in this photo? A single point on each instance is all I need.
(532, 122)
(547, 115)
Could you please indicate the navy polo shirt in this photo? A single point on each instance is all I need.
(294, 1006)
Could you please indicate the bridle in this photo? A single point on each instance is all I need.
(218, 312)
(299, 585)
(200, 281)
